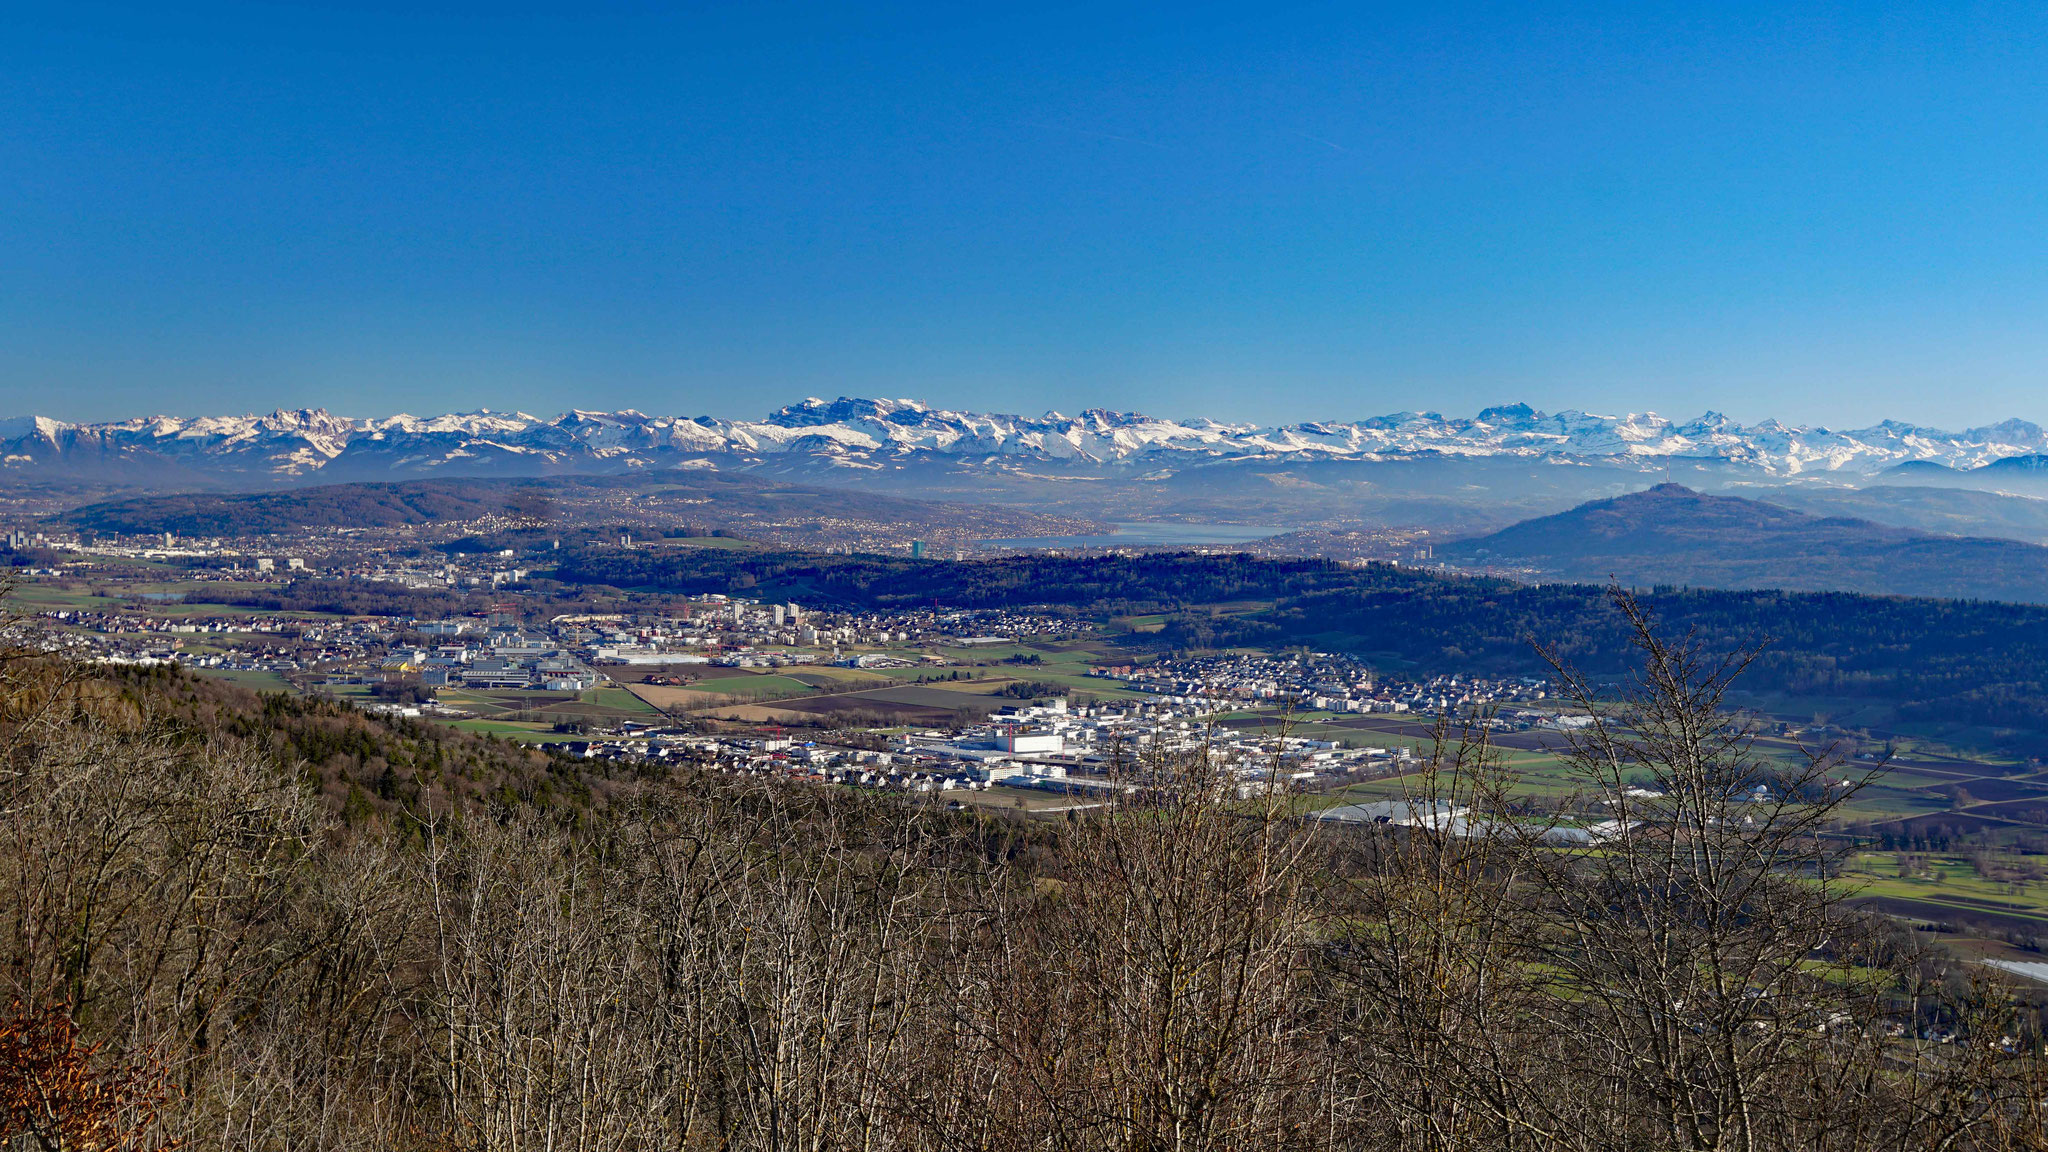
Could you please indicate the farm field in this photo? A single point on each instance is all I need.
(533, 733)
(545, 709)
(254, 680)
(919, 694)
(45, 597)
(1024, 800)
(668, 697)
(934, 703)
(616, 699)
(718, 672)
(979, 686)
(1911, 799)
(1094, 686)
(984, 654)
(1955, 888)
(36, 596)
(760, 687)
(711, 693)
(839, 679)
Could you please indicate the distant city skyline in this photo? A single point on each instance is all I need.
(1269, 213)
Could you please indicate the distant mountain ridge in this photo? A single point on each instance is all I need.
(692, 497)
(868, 434)
(1672, 535)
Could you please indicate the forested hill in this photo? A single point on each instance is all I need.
(347, 505)
(1979, 665)
(357, 766)
(709, 497)
(1673, 535)
(1975, 664)
(1096, 584)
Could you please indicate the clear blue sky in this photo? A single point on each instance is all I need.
(1265, 211)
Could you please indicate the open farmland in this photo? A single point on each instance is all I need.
(2006, 893)
(710, 693)
(901, 704)
(529, 713)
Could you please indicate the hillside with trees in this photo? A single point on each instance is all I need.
(661, 501)
(367, 505)
(207, 942)
(1094, 584)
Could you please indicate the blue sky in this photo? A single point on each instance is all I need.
(1278, 211)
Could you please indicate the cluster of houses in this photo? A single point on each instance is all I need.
(714, 629)
(1048, 746)
(1318, 681)
(743, 630)
(243, 642)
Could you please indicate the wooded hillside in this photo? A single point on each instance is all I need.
(212, 934)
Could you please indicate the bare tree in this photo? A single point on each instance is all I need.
(1708, 983)
(1154, 992)
(1440, 1037)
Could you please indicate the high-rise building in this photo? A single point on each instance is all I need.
(917, 549)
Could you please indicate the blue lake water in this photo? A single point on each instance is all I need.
(1133, 534)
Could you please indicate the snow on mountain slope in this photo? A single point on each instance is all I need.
(288, 445)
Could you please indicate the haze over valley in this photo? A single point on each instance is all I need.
(1407, 480)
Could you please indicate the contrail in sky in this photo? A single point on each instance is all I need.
(1320, 140)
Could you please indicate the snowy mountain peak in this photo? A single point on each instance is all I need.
(865, 432)
(1517, 414)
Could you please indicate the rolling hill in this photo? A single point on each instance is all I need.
(1671, 535)
(680, 496)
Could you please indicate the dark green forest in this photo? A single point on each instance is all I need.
(1083, 585)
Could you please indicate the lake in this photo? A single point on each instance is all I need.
(1134, 534)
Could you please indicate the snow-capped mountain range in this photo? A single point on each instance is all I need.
(312, 444)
